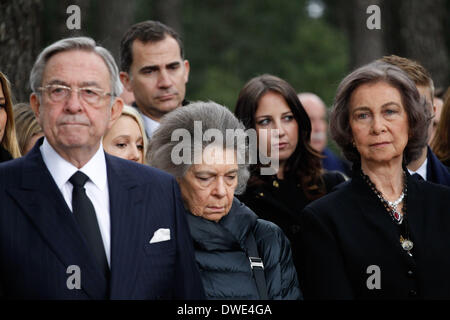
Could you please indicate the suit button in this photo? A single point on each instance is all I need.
(412, 293)
(410, 274)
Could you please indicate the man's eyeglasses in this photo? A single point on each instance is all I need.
(59, 93)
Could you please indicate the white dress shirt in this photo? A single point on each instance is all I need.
(150, 125)
(422, 171)
(96, 187)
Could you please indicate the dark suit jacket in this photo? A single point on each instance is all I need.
(349, 230)
(332, 162)
(40, 239)
(436, 171)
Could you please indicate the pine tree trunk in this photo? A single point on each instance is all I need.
(169, 13)
(423, 36)
(113, 25)
(20, 40)
(366, 44)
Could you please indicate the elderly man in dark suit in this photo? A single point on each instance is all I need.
(75, 222)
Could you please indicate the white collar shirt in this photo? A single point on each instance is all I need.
(150, 125)
(422, 171)
(96, 187)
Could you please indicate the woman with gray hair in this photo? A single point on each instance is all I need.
(239, 255)
(383, 234)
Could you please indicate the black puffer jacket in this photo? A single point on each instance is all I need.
(224, 265)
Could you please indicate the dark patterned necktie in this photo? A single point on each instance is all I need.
(417, 176)
(84, 213)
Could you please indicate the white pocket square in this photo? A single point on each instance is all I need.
(162, 234)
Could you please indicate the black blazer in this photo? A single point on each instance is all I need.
(349, 230)
(283, 204)
(437, 172)
(40, 239)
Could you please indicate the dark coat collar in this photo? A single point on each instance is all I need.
(227, 234)
(436, 171)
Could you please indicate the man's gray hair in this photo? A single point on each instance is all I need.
(77, 43)
(211, 116)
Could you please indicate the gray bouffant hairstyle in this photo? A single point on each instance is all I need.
(419, 116)
(211, 116)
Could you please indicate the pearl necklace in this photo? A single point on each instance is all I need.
(397, 215)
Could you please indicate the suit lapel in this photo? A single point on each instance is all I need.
(126, 229)
(436, 171)
(43, 203)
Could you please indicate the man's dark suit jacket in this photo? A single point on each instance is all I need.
(40, 239)
(349, 230)
(332, 162)
(436, 171)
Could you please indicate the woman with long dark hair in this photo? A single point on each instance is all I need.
(268, 103)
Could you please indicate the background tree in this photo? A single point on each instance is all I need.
(423, 34)
(416, 29)
(20, 41)
(111, 27)
(228, 42)
(248, 38)
(169, 12)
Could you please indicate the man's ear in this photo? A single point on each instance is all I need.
(187, 68)
(35, 104)
(116, 111)
(125, 79)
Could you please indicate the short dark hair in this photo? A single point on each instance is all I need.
(414, 105)
(146, 31)
(304, 163)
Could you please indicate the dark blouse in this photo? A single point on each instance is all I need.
(4, 155)
(282, 201)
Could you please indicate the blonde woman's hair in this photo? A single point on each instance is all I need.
(9, 141)
(133, 113)
(26, 124)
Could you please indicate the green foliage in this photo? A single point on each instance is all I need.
(229, 42)
(318, 61)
